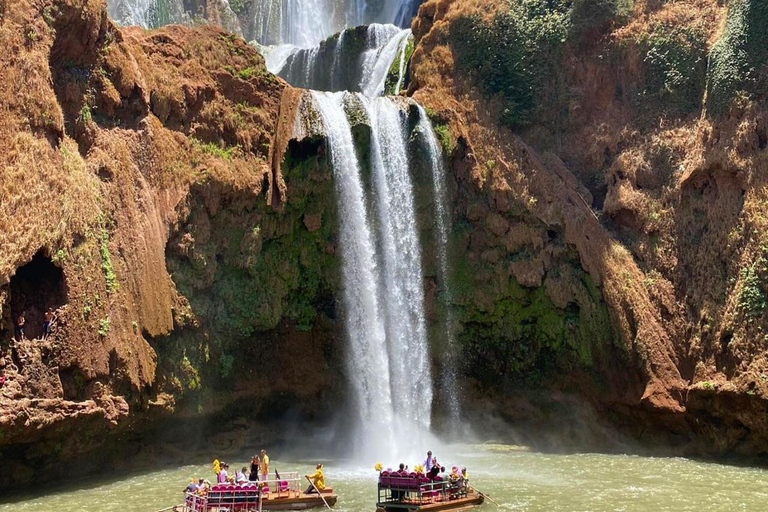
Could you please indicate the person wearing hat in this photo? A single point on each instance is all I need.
(317, 479)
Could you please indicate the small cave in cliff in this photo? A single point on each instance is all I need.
(307, 148)
(35, 287)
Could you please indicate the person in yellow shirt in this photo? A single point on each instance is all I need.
(316, 478)
(264, 465)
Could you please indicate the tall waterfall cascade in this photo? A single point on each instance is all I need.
(448, 376)
(353, 57)
(383, 281)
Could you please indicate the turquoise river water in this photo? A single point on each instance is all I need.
(517, 480)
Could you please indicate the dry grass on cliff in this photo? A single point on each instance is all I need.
(46, 194)
(701, 15)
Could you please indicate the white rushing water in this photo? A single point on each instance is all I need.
(448, 376)
(145, 13)
(383, 289)
(343, 63)
(298, 22)
(301, 23)
(368, 359)
(304, 23)
(376, 66)
(402, 283)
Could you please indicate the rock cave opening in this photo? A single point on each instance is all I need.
(35, 287)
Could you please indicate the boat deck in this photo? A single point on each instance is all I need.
(252, 497)
(471, 500)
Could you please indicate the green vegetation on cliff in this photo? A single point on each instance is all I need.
(675, 64)
(515, 54)
(393, 73)
(738, 60)
(247, 268)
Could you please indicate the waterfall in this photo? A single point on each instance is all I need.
(374, 79)
(382, 285)
(300, 23)
(146, 13)
(448, 376)
(403, 288)
(368, 359)
(351, 60)
(382, 277)
(406, 12)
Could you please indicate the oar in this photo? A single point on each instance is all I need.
(318, 491)
(484, 495)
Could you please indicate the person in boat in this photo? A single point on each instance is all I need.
(253, 476)
(464, 480)
(222, 476)
(193, 486)
(434, 470)
(402, 470)
(264, 467)
(317, 479)
(241, 476)
(429, 462)
(454, 480)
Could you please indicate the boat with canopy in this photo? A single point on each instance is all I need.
(399, 492)
(284, 493)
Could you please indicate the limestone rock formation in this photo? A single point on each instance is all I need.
(606, 170)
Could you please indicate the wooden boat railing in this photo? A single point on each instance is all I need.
(241, 497)
(404, 491)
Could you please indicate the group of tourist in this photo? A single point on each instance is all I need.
(436, 472)
(259, 470)
(457, 479)
(21, 321)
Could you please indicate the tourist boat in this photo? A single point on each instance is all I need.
(282, 494)
(399, 493)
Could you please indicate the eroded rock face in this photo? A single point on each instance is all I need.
(111, 136)
(606, 255)
(669, 260)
